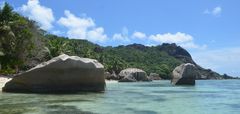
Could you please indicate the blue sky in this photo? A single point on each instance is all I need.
(208, 29)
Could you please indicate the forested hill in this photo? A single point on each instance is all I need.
(23, 45)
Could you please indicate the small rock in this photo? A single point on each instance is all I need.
(154, 76)
(185, 74)
(133, 75)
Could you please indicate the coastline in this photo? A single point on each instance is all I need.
(4, 80)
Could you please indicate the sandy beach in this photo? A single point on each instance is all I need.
(3, 81)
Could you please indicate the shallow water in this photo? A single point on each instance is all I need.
(158, 97)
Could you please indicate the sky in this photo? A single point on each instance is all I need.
(208, 29)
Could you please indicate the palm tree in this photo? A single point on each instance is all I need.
(15, 37)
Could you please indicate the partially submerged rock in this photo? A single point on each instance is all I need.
(133, 75)
(154, 76)
(60, 74)
(185, 74)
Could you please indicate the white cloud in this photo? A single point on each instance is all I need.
(182, 39)
(171, 38)
(118, 36)
(139, 35)
(150, 45)
(97, 35)
(72, 21)
(215, 11)
(41, 14)
(224, 60)
(121, 37)
(192, 45)
(57, 32)
(82, 28)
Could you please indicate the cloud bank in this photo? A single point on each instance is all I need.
(82, 27)
(35, 11)
(79, 27)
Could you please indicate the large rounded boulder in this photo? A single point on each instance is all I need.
(133, 75)
(60, 74)
(185, 74)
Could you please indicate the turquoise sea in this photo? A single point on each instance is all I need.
(158, 97)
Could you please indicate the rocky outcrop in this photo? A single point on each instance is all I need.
(181, 54)
(128, 78)
(154, 76)
(208, 74)
(185, 74)
(177, 52)
(112, 76)
(61, 74)
(137, 46)
(133, 75)
(107, 75)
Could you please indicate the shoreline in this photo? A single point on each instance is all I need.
(4, 80)
(111, 81)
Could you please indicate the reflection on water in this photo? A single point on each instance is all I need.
(211, 97)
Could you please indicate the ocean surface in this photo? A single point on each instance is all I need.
(158, 97)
